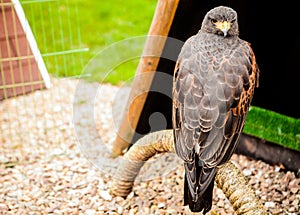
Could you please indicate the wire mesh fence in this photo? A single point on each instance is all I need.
(40, 41)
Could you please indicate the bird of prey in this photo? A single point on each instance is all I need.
(214, 81)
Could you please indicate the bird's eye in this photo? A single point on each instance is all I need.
(232, 21)
(214, 21)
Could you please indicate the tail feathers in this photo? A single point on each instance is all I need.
(203, 202)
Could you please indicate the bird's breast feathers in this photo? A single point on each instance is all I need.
(213, 84)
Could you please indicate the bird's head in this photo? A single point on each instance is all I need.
(222, 21)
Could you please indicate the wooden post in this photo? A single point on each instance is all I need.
(157, 35)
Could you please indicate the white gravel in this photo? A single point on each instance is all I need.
(54, 163)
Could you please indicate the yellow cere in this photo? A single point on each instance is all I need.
(223, 25)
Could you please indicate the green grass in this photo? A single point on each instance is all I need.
(273, 127)
(56, 26)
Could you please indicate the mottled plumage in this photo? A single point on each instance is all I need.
(214, 82)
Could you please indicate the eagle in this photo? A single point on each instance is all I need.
(213, 84)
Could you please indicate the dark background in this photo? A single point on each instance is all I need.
(271, 28)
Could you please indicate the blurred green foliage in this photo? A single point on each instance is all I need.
(66, 29)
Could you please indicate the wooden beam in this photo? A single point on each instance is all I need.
(157, 35)
(271, 153)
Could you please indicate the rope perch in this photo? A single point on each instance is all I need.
(229, 178)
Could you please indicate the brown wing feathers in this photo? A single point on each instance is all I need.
(213, 85)
(210, 112)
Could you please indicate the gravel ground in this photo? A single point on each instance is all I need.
(54, 160)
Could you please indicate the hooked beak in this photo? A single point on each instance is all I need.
(223, 26)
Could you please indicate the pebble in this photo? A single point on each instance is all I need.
(52, 172)
(3, 207)
(90, 212)
(105, 195)
(270, 204)
(120, 210)
(295, 190)
(161, 205)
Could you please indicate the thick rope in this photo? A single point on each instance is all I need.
(229, 178)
